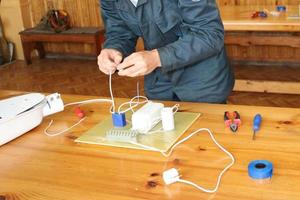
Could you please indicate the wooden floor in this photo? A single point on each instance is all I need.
(83, 77)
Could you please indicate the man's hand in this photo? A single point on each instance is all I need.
(108, 60)
(139, 64)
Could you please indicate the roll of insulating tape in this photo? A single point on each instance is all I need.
(281, 8)
(260, 169)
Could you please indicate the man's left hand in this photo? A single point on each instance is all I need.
(139, 63)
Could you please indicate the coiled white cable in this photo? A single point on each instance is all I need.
(185, 139)
(82, 103)
(132, 104)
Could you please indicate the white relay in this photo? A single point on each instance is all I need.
(147, 117)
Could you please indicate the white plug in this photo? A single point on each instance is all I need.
(171, 176)
(54, 104)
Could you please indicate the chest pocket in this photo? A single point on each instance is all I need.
(168, 22)
(126, 12)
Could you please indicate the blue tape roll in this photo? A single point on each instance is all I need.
(260, 169)
(280, 8)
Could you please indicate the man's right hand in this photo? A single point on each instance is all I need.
(108, 60)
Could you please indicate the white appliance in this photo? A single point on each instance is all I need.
(20, 114)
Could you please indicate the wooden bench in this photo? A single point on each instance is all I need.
(34, 38)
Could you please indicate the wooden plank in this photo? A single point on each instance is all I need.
(26, 13)
(86, 38)
(262, 54)
(267, 86)
(252, 38)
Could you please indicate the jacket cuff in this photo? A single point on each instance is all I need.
(166, 59)
(116, 47)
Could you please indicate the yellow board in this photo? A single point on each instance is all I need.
(158, 140)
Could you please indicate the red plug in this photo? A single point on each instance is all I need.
(79, 112)
(237, 118)
(227, 119)
(255, 14)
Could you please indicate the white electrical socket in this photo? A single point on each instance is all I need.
(54, 104)
(146, 117)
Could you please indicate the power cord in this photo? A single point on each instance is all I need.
(132, 104)
(172, 175)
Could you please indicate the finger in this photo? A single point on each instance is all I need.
(124, 65)
(117, 59)
(107, 67)
(131, 71)
(128, 62)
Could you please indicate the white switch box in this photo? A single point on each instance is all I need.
(147, 117)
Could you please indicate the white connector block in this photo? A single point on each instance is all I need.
(147, 117)
(171, 176)
(54, 104)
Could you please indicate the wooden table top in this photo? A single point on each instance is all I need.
(238, 18)
(36, 166)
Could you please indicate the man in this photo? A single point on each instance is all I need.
(184, 57)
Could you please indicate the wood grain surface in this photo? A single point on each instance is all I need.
(238, 18)
(38, 167)
(236, 15)
(271, 39)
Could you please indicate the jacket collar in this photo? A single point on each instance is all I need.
(141, 2)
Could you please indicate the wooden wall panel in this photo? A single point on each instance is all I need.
(82, 12)
(263, 53)
(87, 13)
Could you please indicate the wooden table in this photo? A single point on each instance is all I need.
(264, 41)
(35, 166)
(238, 18)
(242, 30)
(34, 38)
(270, 33)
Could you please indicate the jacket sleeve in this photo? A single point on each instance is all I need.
(202, 35)
(117, 34)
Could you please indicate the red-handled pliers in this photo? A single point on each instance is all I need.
(234, 123)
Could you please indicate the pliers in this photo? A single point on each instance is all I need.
(233, 123)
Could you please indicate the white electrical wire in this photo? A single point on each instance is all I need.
(185, 139)
(112, 109)
(111, 93)
(89, 101)
(82, 103)
(135, 104)
(81, 120)
(62, 131)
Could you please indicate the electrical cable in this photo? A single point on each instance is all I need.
(112, 108)
(111, 93)
(81, 120)
(62, 131)
(185, 139)
(89, 101)
(132, 102)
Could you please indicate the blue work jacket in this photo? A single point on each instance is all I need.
(189, 37)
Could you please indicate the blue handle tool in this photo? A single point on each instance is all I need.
(256, 124)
